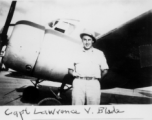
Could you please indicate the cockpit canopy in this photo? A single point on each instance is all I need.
(70, 27)
(66, 26)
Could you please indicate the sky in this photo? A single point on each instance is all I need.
(101, 16)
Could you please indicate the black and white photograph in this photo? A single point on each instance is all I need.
(75, 53)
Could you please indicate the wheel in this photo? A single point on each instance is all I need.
(49, 101)
(30, 94)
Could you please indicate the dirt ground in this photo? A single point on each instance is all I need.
(12, 85)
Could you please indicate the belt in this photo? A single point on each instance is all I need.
(87, 78)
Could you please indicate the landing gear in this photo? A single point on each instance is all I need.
(43, 95)
(57, 96)
(31, 93)
(49, 101)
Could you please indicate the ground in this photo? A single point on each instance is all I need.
(12, 85)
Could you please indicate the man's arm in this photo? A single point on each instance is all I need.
(73, 73)
(104, 72)
(70, 71)
(103, 65)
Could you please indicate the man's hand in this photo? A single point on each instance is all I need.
(75, 74)
(70, 71)
(104, 72)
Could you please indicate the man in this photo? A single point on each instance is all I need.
(88, 68)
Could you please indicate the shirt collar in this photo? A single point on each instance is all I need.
(91, 50)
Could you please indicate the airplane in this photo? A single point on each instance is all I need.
(126, 48)
(40, 51)
(128, 52)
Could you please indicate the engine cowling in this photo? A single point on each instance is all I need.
(39, 52)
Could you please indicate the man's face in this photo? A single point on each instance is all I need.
(87, 42)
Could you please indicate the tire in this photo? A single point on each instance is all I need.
(30, 94)
(49, 102)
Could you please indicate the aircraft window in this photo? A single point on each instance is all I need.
(61, 26)
(52, 24)
(56, 22)
(64, 27)
(60, 30)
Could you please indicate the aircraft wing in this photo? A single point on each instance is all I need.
(128, 50)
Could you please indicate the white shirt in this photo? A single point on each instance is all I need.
(89, 63)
